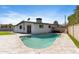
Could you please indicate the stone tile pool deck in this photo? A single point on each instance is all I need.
(13, 44)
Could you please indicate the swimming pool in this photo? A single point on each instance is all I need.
(40, 40)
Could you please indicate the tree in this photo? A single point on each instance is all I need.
(56, 22)
(74, 18)
(77, 8)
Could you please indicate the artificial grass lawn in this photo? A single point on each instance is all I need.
(5, 33)
(76, 42)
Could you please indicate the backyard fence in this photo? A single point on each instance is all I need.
(74, 31)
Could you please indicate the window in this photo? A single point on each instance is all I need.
(40, 26)
(9, 26)
(20, 27)
(49, 26)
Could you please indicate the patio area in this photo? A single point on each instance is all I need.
(13, 44)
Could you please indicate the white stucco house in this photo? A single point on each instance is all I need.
(33, 27)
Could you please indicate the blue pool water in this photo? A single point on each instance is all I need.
(39, 41)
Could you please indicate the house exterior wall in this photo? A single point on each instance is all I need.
(17, 29)
(35, 29)
(24, 27)
(26, 24)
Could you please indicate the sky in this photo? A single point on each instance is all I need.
(13, 14)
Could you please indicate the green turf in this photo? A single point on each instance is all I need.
(76, 42)
(5, 33)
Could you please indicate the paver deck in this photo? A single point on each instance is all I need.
(13, 44)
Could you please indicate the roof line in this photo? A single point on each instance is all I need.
(32, 22)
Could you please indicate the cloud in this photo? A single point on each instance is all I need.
(15, 17)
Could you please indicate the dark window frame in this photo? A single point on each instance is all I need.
(49, 26)
(41, 25)
(20, 27)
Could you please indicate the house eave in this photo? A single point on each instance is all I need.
(33, 23)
